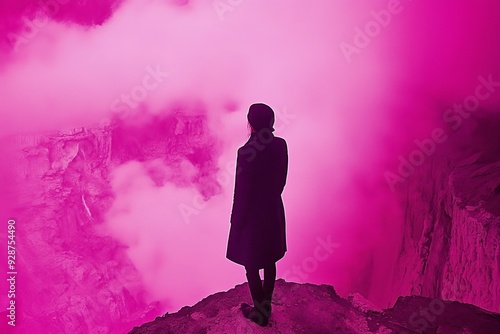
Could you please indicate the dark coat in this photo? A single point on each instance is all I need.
(257, 235)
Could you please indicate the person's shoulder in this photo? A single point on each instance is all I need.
(280, 140)
(244, 147)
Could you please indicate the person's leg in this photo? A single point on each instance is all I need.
(257, 312)
(269, 279)
(254, 283)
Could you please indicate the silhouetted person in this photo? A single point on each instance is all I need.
(257, 236)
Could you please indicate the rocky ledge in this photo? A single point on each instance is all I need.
(314, 309)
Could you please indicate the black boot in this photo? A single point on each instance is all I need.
(268, 288)
(267, 306)
(257, 313)
(254, 314)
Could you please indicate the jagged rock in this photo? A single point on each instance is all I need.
(74, 279)
(315, 309)
(363, 304)
(451, 237)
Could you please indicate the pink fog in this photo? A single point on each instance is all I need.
(120, 126)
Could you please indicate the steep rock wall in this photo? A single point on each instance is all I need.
(72, 279)
(451, 240)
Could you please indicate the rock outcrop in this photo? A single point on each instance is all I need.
(451, 236)
(72, 278)
(314, 309)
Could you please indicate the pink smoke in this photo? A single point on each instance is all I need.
(347, 117)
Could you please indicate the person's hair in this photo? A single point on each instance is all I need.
(250, 128)
(261, 116)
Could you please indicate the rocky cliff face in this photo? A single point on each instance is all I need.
(451, 240)
(72, 279)
(315, 309)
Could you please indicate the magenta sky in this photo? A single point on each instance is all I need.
(353, 83)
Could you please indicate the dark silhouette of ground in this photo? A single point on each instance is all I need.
(315, 309)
